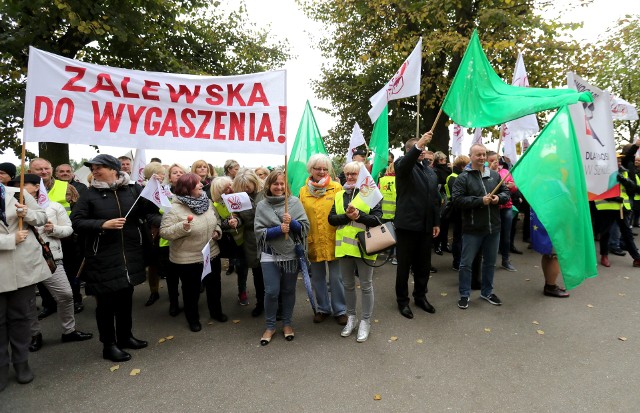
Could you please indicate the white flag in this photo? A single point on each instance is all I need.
(405, 83)
(357, 139)
(237, 202)
(206, 261)
(43, 196)
(369, 191)
(593, 124)
(155, 193)
(508, 144)
(456, 140)
(477, 137)
(527, 125)
(137, 170)
(623, 110)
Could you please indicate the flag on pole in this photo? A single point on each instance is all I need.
(368, 189)
(456, 140)
(237, 202)
(479, 98)
(357, 139)
(137, 170)
(405, 83)
(308, 142)
(155, 193)
(623, 110)
(477, 137)
(527, 125)
(43, 196)
(379, 144)
(508, 144)
(206, 260)
(550, 175)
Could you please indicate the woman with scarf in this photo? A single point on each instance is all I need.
(352, 215)
(201, 168)
(22, 267)
(109, 220)
(189, 225)
(317, 197)
(280, 224)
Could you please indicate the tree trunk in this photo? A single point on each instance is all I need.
(56, 153)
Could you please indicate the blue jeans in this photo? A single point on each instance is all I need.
(614, 236)
(277, 281)
(506, 218)
(336, 304)
(471, 244)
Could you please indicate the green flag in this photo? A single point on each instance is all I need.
(379, 143)
(550, 175)
(478, 98)
(308, 142)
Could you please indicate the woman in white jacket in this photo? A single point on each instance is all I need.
(58, 226)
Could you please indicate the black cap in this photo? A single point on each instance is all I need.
(361, 152)
(104, 159)
(8, 168)
(28, 179)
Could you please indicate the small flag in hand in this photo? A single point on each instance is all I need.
(155, 193)
(43, 196)
(369, 191)
(237, 202)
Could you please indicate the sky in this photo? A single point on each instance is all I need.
(285, 20)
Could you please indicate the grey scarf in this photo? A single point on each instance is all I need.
(122, 178)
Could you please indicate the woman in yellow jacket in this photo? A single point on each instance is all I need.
(317, 198)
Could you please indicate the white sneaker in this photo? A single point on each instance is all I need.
(363, 331)
(394, 261)
(352, 322)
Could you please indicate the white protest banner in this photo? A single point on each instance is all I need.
(156, 193)
(357, 139)
(137, 170)
(623, 110)
(477, 137)
(508, 144)
(237, 202)
(593, 124)
(43, 196)
(369, 191)
(456, 140)
(69, 101)
(527, 125)
(206, 260)
(405, 83)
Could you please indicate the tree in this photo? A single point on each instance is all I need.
(615, 68)
(366, 42)
(180, 36)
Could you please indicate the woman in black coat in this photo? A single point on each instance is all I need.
(113, 251)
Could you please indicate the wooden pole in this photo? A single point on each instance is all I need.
(418, 117)
(22, 170)
(436, 121)
(286, 190)
(500, 183)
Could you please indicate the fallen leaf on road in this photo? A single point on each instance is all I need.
(487, 330)
(236, 321)
(590, 305)
(419, 341)
(162, 340)
(169, 337)
(622, 338)
(621, 294)
(535, 322)
(114, 368)
(443, 294)
(626, 278)
(527, 279)
(540, 332)
(134, 372)
(394, 338)
(299, 278)
(376, 321)
(210, 323)
(377, 397)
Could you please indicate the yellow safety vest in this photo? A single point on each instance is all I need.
(224, 213)
(346, 235)
(388, 189)
(59, 194)
(623, 193)
(611, 205)
(446, 185)
(636, 197)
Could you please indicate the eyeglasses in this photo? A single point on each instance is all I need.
(320, 169)
(351, 173)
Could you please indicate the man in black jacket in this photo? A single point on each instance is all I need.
(417, 222)
(471, 194)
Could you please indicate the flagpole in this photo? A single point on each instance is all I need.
(286, 191)
(418, 117)
(436, 121)
(20, 219)
(134, 204)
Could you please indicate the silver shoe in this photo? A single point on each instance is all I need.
(363, 331)
(352, 322)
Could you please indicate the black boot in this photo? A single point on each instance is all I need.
(4, 377)
(132, 343)
(24, 374)
(114, 353)
(174, 308)
(36, 343)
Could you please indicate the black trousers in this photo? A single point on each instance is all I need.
(413, 252)
(171, 277)
(606, 218)
(115, 306)
(190, 277)
(258, 284)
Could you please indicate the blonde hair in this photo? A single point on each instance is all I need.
(461, 161)
(198, 164)
(246, 176)
(153, 168)
(218, 186)
(321, 159)
(230, 163)
(352, 167)
(173, 165)
(261, 168)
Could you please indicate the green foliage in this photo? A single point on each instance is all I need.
(366, 41)
(180, 36)
(615, 67)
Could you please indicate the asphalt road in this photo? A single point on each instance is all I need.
(482, 359)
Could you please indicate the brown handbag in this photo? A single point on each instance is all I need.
(46, 251)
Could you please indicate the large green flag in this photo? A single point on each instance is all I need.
(379, 143)
(308, 142)
(478, 98)
(550, 175)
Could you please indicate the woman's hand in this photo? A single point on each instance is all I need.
(352, 212)
(285, 228)
(21, 210)
(186, 225)
(21, 236)
(48, 227)
(286, 218)
(116, 223)
(233, 222)
(216, 235)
